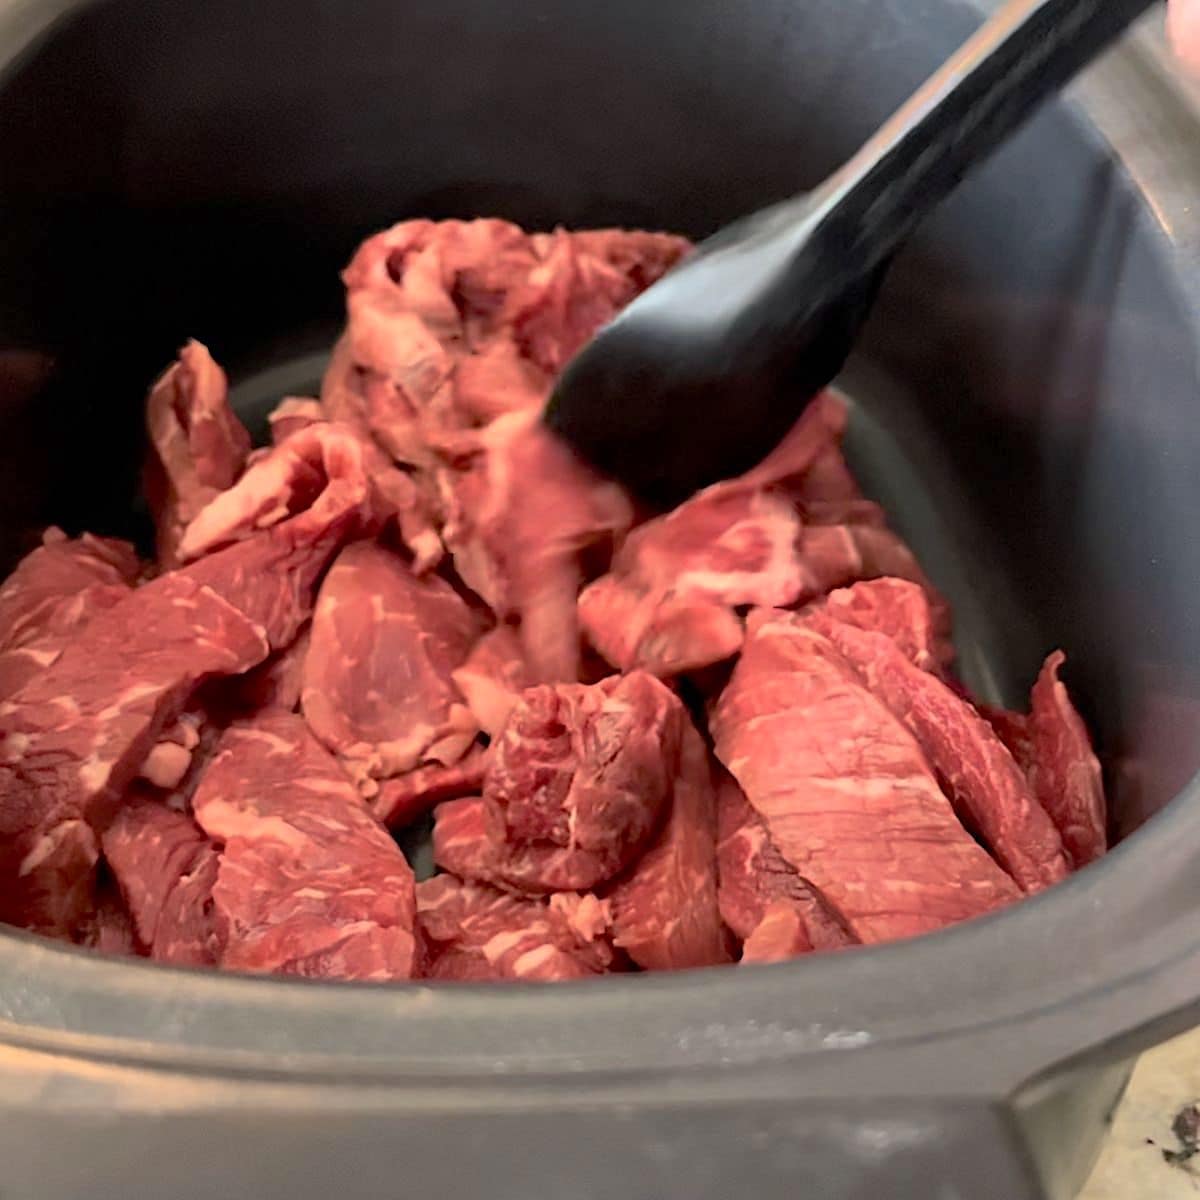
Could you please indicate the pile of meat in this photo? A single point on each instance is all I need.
(643, 741)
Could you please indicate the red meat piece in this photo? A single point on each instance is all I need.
(343, 395)
(418, 297)
(644, 257)
(409, 499)
(979, 774)
(837, 555)
(53, 585)
(377, 687)
(197, 446)
(1052, 747)
(657, 631)
(498, 380)
(279, 526)
(492, 678)
(463, 837)
(474, 932)
(577, 783)
(895, 607)
(20, 664)
(844, 788)
(1012, 728)
(727, 544)
(309, 882)
(165, 867)
(312, 480)
(664, 913)
(454, 276)
(781, 934)
(755, 879)
(469, 283)
(406, 798)
(521, 515)
(74, 737)
(456, 325)
(564, 299)
(1065, 772)
(667, 605)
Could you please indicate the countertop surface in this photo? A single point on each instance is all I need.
(1132, 1165)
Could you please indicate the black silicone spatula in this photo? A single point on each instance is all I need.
(701, 375)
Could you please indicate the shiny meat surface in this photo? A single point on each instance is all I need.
(198, 447)
(1065, 771)
(377, 686)
(977, 771)
(474, 932)
(665, 913)
(754, 878)
(165, 866)
(309, 882)
(577, 784)
(844, 789)
(71, 741)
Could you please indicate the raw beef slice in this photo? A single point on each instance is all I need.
(780, 935)
(464, 321)
(567, 296)
(521, 513)
(377, 688)
(978, 772)
(577, 784)
(1052, 747)
(493, 678)
(844, 789)
(61, 573)
(279, 526)
(454, 326)
(309, 882)
(667, 606)
(756, 883)
(668, 603)
(665, 914)
(73, 738)
(197, 446)
(1065, 772)
(767, 538)
(841, 554)
(896, 607)
(165, 867)
(474, 932)
(54, 592)
(396, 494)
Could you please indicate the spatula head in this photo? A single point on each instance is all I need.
(703, 374)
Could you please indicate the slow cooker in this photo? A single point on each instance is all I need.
(1026, 401)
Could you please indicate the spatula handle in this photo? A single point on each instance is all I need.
(1022, 54)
